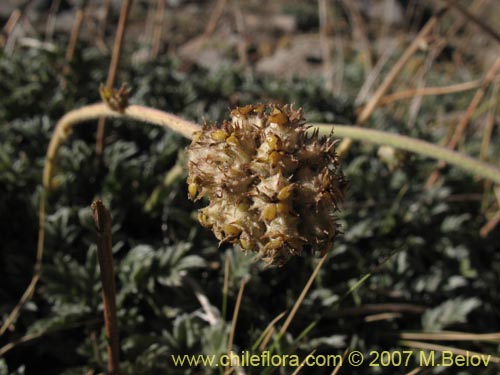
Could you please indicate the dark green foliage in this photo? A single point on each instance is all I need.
(422, 246)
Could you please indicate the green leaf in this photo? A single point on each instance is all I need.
(448, 313)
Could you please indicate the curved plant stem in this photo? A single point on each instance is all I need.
(468, 164)
(187, 129)
(95, 111)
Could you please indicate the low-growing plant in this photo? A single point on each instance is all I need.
(273, 185)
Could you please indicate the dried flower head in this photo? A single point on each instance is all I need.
(273, 189)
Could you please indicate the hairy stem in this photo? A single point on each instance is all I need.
(187, 128)
(94, 111)
(468, 164)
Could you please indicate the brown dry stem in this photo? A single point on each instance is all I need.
(464, 122)
(368, 109)
(113, 68)
(102, 220)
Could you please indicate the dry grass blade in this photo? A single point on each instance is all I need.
(225, 287)
(490, 225)
(415, 371)
(241, 29)
(397, 68)
(27, 338)
(339, 364)
(73, 39)
(459, 132)
(476, 20)
(495, 220)
(34, 336)
(451, 336)
(302, 364)
(339, 61)
(269, 330)
(381, 316)
(51, 20)
(75, 31)
(442, 348)
(158, 28)
(421, 79)
(102, 220)
(303, 294)
(324, 45)
(106, 4)
(426, 91)
(235, 316)
(368, 109)
(464, 122)
(11, 23)
(14, 18)
(490, 121)
(359, 32)
(373, 75)
(381, 308)
(483, 155)
(455, 28)
(214, 18)
(147, 37)
(268, 334)
(113, 68)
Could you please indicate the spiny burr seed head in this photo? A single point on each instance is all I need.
(272, 188)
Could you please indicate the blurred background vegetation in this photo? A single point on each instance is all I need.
(431, 252)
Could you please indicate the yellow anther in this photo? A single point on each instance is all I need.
(231, 230)
(283, 208)
(273, 141)
(246, 109)
(278, 117)
(285, 193)
(274, 244)
(245, 244)
(192, 189)
(197, 136)
(219, 135)
(269, 212)
(243, 207)
(203, 219)
(274, 157)
(232, 139)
